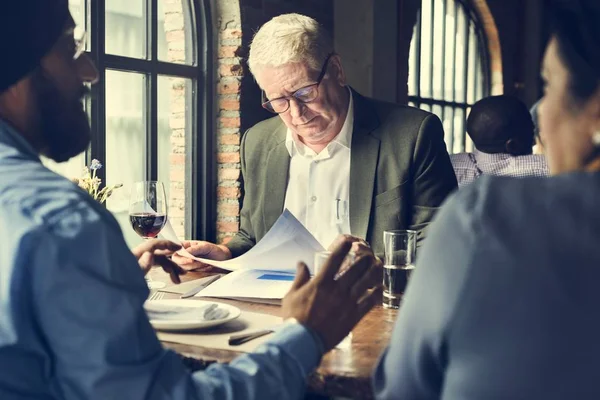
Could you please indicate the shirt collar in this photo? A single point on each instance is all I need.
(344, 138)
(488, 158)
(10, 137)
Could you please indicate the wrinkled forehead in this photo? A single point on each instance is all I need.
(285, 79)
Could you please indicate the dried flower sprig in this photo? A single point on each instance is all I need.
(91, 183)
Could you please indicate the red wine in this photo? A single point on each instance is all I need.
(147, 225)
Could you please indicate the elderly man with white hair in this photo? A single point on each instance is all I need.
(340, 162)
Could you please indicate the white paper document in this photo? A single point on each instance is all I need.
(286, 243)
(266, 272)
(251, 285)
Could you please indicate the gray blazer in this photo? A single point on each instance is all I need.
(400, 173)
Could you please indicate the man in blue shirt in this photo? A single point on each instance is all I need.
(72, 323)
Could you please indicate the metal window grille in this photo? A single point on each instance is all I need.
(449, 67)
(200, 190)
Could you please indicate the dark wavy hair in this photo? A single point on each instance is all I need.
(576, 26)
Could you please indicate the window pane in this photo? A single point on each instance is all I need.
(473, 58)
(174, 148)
(459, 131)
(437, 110)
(176, 32)
(468, 142)
(448, 127)
(69, 169)
(426, 56)
(450, 37)
(461, 50)
(438, 48)
(125, 142)
(479, 80)
(412, 62)
(126, 28)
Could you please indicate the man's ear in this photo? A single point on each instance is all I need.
(337, 71)
(512, 146)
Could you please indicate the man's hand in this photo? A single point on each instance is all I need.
(156, 252)
(359, 246)
(203, 250)
(332, 307)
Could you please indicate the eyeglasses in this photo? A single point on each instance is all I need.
(303, 95)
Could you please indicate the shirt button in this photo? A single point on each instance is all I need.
(314, 198)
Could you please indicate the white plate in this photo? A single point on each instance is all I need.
(180, 325)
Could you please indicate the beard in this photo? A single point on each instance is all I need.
(63, 123)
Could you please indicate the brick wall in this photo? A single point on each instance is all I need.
(229, 73)
(238, 96)
(175, 33)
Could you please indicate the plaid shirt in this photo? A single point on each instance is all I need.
(470, 166)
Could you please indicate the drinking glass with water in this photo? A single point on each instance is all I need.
(400, 248)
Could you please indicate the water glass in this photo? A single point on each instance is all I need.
(400, 249)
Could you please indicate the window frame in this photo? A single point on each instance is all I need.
(472, 19)
(201, 167)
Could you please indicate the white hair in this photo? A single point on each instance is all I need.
(290, 38)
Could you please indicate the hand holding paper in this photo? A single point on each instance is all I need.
(286, 243)
(192, 250)
(155, 252)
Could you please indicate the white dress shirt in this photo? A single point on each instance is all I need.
(319, 184)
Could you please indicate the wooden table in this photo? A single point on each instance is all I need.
(343, 372)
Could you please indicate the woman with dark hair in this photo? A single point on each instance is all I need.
(504, 300)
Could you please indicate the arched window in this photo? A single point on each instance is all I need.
(449, 66)
(147, 110)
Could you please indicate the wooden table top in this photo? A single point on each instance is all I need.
(344, 372)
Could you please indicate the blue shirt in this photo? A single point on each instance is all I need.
(504, 301)
(72, 323)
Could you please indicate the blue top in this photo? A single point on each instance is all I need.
(504, 301)
(72, 325)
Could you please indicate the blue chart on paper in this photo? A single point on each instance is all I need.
(276, 277)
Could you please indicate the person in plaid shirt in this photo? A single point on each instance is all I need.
(503, 133)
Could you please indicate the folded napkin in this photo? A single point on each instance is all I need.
(218, 338)
(162, 312)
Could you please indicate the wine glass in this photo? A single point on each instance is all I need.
(148, 214)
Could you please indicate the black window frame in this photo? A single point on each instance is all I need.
(201, 191)
(473, 20)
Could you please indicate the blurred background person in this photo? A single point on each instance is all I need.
(503, 133)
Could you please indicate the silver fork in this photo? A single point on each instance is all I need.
(157, 295)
